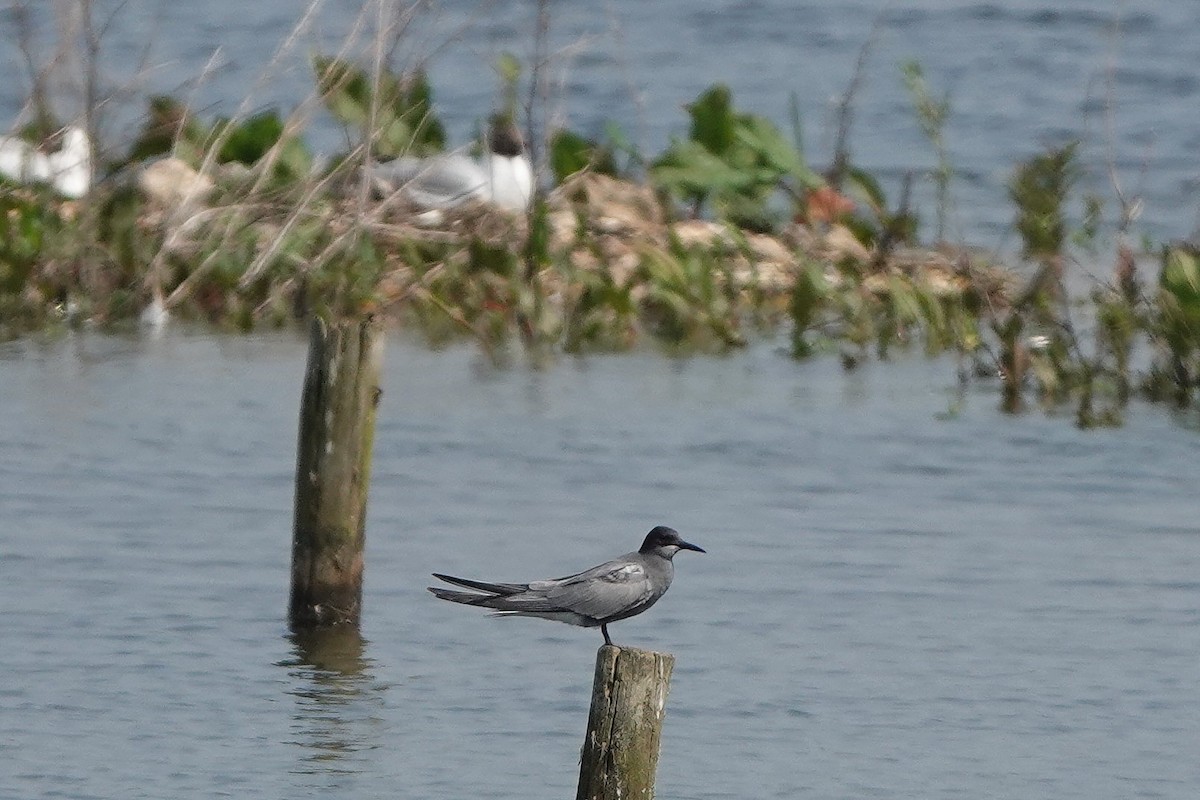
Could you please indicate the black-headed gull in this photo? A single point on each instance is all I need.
(502, 176)
(68, 169)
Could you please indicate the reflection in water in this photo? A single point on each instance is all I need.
(336, 713)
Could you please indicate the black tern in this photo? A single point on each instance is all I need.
(613, 591)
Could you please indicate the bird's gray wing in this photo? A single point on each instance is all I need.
(601, 592)
(438, 182)
(396, 172)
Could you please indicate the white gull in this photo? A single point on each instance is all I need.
(68, 169)
(502, 176)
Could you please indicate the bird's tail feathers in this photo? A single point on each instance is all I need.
(466, 598)
(500, 589)
(500, 604)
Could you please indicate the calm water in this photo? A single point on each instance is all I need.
(896, 602)
(1021, 74)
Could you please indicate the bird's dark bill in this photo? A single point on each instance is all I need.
(689, 546)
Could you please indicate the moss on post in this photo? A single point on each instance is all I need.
(629, 698)
(333, 469)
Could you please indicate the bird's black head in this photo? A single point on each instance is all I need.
(504, 137)
(666, 542)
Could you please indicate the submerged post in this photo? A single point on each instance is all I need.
(629, 699)
(333, 469)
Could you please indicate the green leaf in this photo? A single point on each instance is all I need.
(295, 160)
(395, 138)
(508, 67)
(906, 304)
(537, 245)
(866, 183)
(690, 169)
(615, 135)
(345, 90)
(571, 153)
(774, 150)
(401, 107)
(169, 126)
(1040, 188)
(713, 119)
(797, 128)
(497, 259)
(414, 104)
(1180, 280)
(250, 140)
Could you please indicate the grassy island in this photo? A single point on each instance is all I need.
(727, 234)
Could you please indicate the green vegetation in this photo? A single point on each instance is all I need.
(733, 164)
(932, 115)
(728, 234)
(1175, 326)
(395, 113)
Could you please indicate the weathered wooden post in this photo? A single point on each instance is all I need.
(333, 469)
(629, 699)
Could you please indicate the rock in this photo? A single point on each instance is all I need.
(769, 249)
(840, 243)
(170, 183)
(701, 232)
(613, 206)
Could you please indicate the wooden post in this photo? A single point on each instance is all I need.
(629, 698)
(333, 469)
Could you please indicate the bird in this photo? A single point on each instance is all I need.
(502, 176)
(612, 591)
(18, 158)
(510, 174)
(71, 166)
(68, 169)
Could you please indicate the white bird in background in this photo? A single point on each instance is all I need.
(71, 166)
(17, 158)
(503, 176)
(68, 169)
